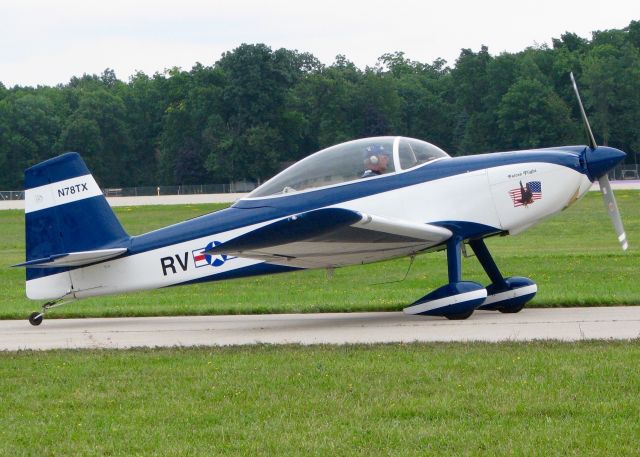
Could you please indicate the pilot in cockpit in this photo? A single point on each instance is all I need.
(376, 160)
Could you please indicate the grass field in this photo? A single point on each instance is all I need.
(420, 399)
(574, 258)
(540, 398)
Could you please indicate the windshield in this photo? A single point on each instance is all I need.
(351, 161)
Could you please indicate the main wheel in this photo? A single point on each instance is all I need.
(512, 309)
(458, 317)
(36, 318)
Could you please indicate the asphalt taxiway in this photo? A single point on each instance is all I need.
(565, 324)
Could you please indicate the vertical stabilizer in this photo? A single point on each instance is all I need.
(65, 212)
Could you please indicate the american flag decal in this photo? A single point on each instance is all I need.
(200, 259)
(526, 194)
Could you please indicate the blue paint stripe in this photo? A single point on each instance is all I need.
(468, 229)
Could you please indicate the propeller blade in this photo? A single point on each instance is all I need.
(605, 186)
(592, 140)
(612, 209)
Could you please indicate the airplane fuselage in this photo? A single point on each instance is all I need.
(475, 196)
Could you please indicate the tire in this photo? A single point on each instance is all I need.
(36, 318)
(459, 317)
(511, 310)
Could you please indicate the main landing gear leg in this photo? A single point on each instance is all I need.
(456, 300)
(507, 295)
(36, 317)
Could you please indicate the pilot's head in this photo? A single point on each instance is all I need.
(376, 158)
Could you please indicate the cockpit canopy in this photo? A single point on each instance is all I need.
(354, 160)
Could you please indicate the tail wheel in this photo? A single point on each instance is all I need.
(36, 318)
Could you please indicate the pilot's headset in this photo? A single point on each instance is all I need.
(371, 153)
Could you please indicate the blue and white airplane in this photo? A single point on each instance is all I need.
(358, 202)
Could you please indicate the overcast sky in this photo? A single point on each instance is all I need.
(48, 42)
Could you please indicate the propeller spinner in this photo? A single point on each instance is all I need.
(599, 161)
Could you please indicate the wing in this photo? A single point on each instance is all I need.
(333, 237)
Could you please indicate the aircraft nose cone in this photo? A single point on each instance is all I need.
(602, 159)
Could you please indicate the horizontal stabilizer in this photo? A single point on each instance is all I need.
(73, 259)
(333, 237)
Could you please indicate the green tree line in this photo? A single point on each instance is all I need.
(256, 109)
